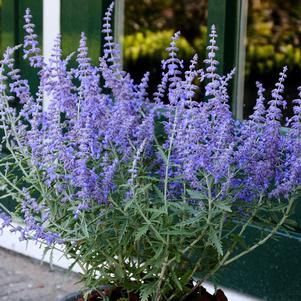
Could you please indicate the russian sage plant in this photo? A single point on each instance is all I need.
(144, 192)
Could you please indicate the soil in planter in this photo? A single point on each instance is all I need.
(116, 295)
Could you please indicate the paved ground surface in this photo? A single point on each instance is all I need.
(25, 279)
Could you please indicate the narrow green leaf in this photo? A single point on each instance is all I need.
(196, 194)
(177, 282)
(149, 178)
(156, 212)
(223, 207)
(123, 231)
(163, 155)
(159, 252)
(147, 290)
(129, 203)
(144, 188)
(180, 232)
(291, 223)
(85, 227)
(119, 272)
(215, 241)
(141, 231)
(159, 192)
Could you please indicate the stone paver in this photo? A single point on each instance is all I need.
(26, 279)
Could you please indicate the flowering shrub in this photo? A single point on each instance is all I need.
(143, 193)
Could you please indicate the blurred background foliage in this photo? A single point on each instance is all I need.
(149, 24)
(273, 39)
(274, 35)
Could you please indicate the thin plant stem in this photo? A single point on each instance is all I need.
(262, 241)
(168, 158)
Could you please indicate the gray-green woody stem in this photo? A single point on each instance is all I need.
(168, 159)
(225, 261)
(274, 230)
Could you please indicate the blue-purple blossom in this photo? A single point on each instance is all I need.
(103, 133)
(31, 47)
(5, 221)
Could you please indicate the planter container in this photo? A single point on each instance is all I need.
(202, 295)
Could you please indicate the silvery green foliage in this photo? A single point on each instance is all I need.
(143, 191)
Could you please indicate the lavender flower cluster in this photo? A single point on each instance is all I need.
(100, 130)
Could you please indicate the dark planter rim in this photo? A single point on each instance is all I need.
(72, 297)
(76, 295)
